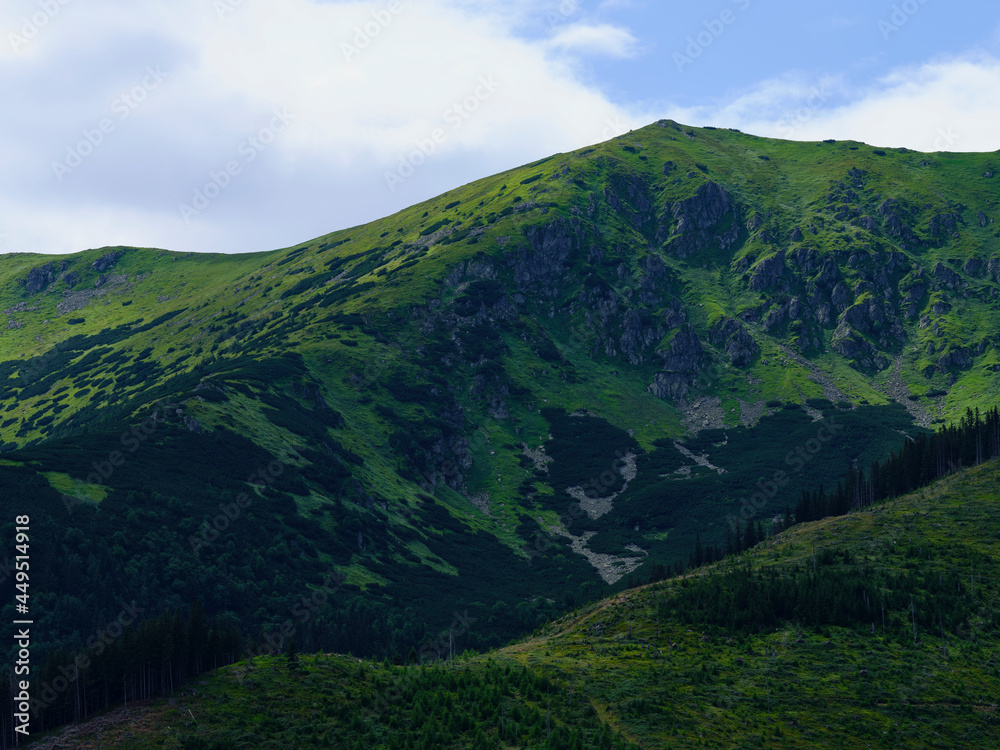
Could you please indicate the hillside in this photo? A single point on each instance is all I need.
(506, 400)
(694, 661)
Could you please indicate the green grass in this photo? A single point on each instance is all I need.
(659, 681)
(438, 334)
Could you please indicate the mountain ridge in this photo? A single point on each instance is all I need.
(456, 386)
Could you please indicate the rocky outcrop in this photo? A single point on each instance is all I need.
(975, 267)
(993, 269)
(769, 273)
(853, 346)
(107, 260)
(41, 277)
(739, 345)
(945, 223)
(957, 357)
(841, 297)
(674, 314)
(543, 263)
(695, 217)
(947, 277)
(627, 195)
(876, 319)
(637, 335)
(776, 316)
(651, 278)
(914, 295)
(896, 223)
(682, 360)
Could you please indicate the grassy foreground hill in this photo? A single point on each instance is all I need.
(504, 401)
(695, 661)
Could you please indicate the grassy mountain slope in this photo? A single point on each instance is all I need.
(657, 666)
(508, 398)
(670, 675)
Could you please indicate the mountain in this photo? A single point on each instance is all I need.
(501, 403)
(874, 629)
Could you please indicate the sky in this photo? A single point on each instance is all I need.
(247, 125)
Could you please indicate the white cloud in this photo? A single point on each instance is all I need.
(367, 84)
(595, 39)
(945, 105)
(446, 91)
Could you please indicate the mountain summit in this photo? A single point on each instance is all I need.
(500, 402)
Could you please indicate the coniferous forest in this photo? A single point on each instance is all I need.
(139, 659)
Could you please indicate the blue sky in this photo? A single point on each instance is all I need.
(244, 125)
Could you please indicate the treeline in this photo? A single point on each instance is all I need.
(920, 461)
(833, 589)
(126, 661)
(362, 705)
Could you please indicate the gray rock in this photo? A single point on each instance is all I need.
(768, 273)
(541, 266)
(675, 313)
(41, 277)
(776, 317)
(852, 345)
(993, 269)
(107, 260)
(975, 267)
(946, 276)
(695, 216)
(739, 345)
(841, 297)
(681, 362)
